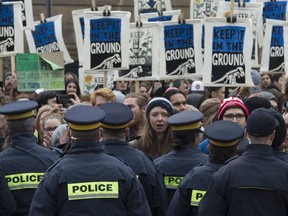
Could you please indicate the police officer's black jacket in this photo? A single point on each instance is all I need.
(142, 165)
(253, 184)
(281, 155)
(86, 181)
(191, 189)
(24, 164)
(7, 202)
(176, 164)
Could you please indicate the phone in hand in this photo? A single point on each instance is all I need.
(64, 99)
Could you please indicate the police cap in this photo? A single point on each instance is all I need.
(224, 133)
(19, 109)
(118, 115)
(84, 117)
(186, 120)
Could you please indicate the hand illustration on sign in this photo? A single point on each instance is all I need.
(134, 73)
(109, 62)
(232, 76)
(183, 68)
(6, 43)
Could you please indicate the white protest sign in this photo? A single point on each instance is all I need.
(11, 29)
(143, 53)
(150, 6)
(47, 37)
(180, 54)
(228, 48)
(203, 8)
(273, 55)
(106, 42)
(165, 16)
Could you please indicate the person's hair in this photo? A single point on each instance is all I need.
(92, 135)
(43, 97)
(115, 134)
(21, 126)
(222, 154)
(73, 75)
(276, 77)
(141, 100)
(168, 94)
(78, 91)
(184, 138)
(104, 92)
(149, 143)
(53, 115)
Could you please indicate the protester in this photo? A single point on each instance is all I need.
(101, 96)
(156, 137)
(217, 92)
(72, 86)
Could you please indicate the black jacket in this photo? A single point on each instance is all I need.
(24, 165)
(86, 181)
(253, 184)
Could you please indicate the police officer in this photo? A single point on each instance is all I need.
(224, 137)
(25, 162)
(185, 154)
(87, 181)
(254, 183)
(114, 132)
(7, 202)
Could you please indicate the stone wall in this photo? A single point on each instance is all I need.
(66, 6)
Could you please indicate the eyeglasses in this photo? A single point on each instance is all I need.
(50, 128)
(230, 117)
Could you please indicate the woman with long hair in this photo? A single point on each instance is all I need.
(156, 138)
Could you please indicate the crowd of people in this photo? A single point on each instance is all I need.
(173, 147)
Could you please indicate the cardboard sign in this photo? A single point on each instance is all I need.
(36, 71)
(26, 13)
(203, 8)
(253, 11)
(273, 56)
(143, 53)
(79, 29)
(150, 6)
(11, 29)
(106, 42)
(228, 48)
(48, 38)
(181, 55)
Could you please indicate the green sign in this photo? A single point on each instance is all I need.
(38, 71)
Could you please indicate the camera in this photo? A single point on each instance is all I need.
(64, 99)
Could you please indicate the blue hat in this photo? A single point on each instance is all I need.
(161, 102)
(19, 109)
(224, 133)
(186, 120)
(118, 115)
(84, 117)
(261, 123)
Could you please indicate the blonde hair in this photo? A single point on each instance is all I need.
(104, 92)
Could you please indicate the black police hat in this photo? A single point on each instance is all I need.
(118, 115)
(261, 123)
(19, 109)
(224, 133)
(186, 120)
(84, 117)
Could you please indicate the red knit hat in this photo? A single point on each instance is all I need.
(232, 102)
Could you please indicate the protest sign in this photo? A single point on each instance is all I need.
(143, 53)
(180, 53)
(253, 11)
(106, 42)
(150, 6)
(48, 38)
(79, 29)
(228, 48)
(203, 8)
(45, 70)
(26, 13)
(286, 47)
(11, 29)
(273, 60)
(274, 10)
